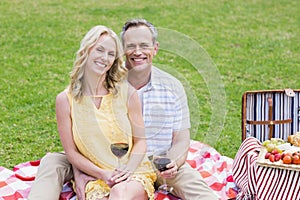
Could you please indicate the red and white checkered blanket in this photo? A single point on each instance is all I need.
(215, 169)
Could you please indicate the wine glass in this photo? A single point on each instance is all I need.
(119, 147)
(160, 161)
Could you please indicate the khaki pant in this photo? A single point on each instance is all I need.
(53, 172)
(188, 184)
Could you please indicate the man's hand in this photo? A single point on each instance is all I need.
(171, 171)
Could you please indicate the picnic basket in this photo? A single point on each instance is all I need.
(270, 113)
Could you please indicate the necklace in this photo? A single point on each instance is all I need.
(97, 100)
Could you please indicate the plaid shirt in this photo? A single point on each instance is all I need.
(165, 109)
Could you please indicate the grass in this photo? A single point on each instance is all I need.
(239, 46)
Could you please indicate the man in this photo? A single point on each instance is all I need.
(166, 117)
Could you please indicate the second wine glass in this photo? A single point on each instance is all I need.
(160, 161)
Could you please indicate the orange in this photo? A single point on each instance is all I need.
(296, 159)
(287, 159)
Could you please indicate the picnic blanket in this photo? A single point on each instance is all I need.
(216, 170)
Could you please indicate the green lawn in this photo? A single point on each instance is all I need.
(218, 49)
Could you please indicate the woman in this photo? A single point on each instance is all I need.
(98, 107)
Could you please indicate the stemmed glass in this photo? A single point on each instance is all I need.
(160, 160)
(119, 147)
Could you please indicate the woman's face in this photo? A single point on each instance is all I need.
(102, 55)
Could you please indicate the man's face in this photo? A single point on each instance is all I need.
(139, 47)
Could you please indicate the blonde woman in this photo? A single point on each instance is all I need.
(99, 106)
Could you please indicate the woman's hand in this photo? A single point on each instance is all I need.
(121, 174)
(107, 178)
(81, 179)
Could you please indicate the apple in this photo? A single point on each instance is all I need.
(277, 157)
(267, 155)
(272, 158)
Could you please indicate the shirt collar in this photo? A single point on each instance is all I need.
(154, 79)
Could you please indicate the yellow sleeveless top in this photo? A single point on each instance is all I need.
(95, 129)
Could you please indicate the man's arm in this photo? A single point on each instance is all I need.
(178, 152)
(180, 146)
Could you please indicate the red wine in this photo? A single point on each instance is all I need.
(161, 163)
(119, 149)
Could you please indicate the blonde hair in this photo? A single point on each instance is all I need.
(114, 75)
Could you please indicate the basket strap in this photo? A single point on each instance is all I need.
(270, 122)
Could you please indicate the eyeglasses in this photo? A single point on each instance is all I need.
(141, 47)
